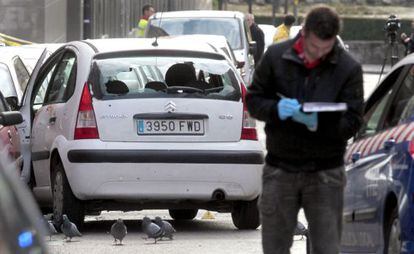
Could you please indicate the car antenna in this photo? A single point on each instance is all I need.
(155, 43)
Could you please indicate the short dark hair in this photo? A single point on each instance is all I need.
(289, 20)
(323, 21)
(146, 7)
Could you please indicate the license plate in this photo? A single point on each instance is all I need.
(170, 127)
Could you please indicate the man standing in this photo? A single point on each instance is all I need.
(257, 36)
(304, 164)
(283, 31)
(408, 41)
(147, 11)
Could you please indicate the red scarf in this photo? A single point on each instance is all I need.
(298, 47)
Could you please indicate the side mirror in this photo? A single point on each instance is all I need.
(13, 102)
(252, 47)
(10, 118)
(239, 65)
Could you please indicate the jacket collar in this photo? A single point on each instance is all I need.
(290, 53)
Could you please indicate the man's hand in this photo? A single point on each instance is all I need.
(308, 119)
(286, 108)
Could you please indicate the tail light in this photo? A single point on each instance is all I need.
(86, 123)
(249, 124)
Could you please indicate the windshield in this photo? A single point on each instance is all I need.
(6, 87)
(228, 27)
(169, 76)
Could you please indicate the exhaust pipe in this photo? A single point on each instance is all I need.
(218, 195)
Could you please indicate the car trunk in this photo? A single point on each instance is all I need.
(168, 120)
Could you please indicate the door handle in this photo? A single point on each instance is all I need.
(52, 120)
(355, 157)
(388, 144)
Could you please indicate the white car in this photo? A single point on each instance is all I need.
(218, 42)
(269, 31)
(231, 24)
(14, 74)
(16, 63)
(100, 139)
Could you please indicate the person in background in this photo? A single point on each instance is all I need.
(408, 41)
(257, 36)
(147, 11)
(283, 30)
(304, 163)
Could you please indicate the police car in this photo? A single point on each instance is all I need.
(379, 196)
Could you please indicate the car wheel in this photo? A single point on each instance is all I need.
(245, 215)
(392, 234)
(64, 202)
(183, 214)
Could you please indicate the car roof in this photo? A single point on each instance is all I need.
(133, 44)
(8, 52)
(200, 14)
(409, 59)
(28, 53)
(215, 39)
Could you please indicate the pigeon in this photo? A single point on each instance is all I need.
(69, 228)
(51, 230)
(167, 229)
(118, 231)
(151, 229)
(301, 230)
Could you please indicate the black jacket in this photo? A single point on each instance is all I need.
(258, 36)
(290, 145)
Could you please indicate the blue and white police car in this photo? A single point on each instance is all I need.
(379, 196)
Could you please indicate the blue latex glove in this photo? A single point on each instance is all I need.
(286, 107)
(308, 119)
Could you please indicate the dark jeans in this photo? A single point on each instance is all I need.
(320, 194)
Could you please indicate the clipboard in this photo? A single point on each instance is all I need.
(309, 107)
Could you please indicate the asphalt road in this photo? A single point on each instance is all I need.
(217, 235)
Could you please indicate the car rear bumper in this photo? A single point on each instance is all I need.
(164, 174)
(166, 156)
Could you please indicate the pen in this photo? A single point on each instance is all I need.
(280, 95)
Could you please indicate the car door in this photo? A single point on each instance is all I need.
(398, 173)
(25, 127)
(367, 162)
(58, 83)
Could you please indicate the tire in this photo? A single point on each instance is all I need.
(183, 214)
(392, 234)
(64, 202)
(245, 215)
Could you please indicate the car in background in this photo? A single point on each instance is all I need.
(16, 64)
(14, 74)
(230, 24)
(269, 32)
(294, 30)
(379, 195)
(218, 42)
(99, 139)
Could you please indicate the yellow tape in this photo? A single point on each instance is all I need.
(12, 41)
